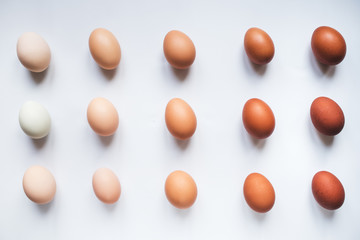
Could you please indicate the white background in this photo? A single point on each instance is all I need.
(142, 152)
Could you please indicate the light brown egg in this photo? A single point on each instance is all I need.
(180, 189)
(259, 193)
(102, 116)
(39, 185)
(33, 52)
(328, 190)
(106, 185)
(328, 45)
(179, 50)
(180, 119)
(327, 116)
(105, 48)
(259, 46)
(258, 118)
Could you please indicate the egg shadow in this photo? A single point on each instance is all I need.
(255, 142)
(44, 208)
(38, 77)
(326, 140)
(252, 67)
(328, 214)
(182, 144)
(180, 74)
(319, 68)
(106, 140)
(39, 143)
(259, 217)
(110, 207)
(109, 74)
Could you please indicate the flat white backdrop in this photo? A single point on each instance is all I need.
(142, 152)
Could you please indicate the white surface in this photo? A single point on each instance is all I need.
(142, 153)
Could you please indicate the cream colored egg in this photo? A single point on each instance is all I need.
(33, 52)
(39, 185)
(106, 185)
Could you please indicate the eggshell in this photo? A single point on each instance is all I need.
(328, 190)
(180, 119)
(33, 52)
(106, 185)
(180, 189)
(102, 116)
(258, 118)
(259, 46)
(328, 45)
(39, 185)
(34, 120)
(105, 48)
(259, 193)
(179, 50)
(327, 116)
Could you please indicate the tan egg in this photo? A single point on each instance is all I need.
(179, 50)
(102, 116)
(180, 189)
(33, 52)
(105, 48)
(180, 119)
(259, 193)
(39, 185)
(106, 185)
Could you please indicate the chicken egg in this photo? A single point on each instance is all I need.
(259, 46)
(106, 185)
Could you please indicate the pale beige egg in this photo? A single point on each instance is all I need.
(106, 185)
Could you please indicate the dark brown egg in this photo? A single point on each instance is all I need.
(258, 118)
(328, 190)
(328, 45)
(259, 46)
(327, 116)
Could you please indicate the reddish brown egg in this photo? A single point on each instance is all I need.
(328, 45)
(259, 46)
(258, 118)
(328, 190)
(259, 193)
(327, 116)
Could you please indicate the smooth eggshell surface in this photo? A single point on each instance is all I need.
(39, 184)
(102, 116)
(179, 50)
(180, 189)
(259, 46)
(180, 119)
(327, 116)
(106, 185)
(258, 118)
(105, 48)
(328, 45)
(34, 120)
(328, 190)
(259, 193)
(33, 52)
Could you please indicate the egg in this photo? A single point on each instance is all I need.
(180, 119)
(258, 118)
(34, 120)
(328, 190)
(102, 116)
(106, 186)
(33, 52)
(39, 185)
(259, 46)
(328, 45)
(327, 116)
(105, 48)
(259, 193)
(180, 189)
(179, 50)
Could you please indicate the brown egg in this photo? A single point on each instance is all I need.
(259, 46)
(106, 186)
(180, 189)
(105, 48)
(39, 185)
(328, 45)
(258, 119)
(102, 116)
(180, 119)
(179, 50)
(328, 190)
(327, 116)
(259, 193)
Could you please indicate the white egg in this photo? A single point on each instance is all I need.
(33, 52)
(34, 120)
